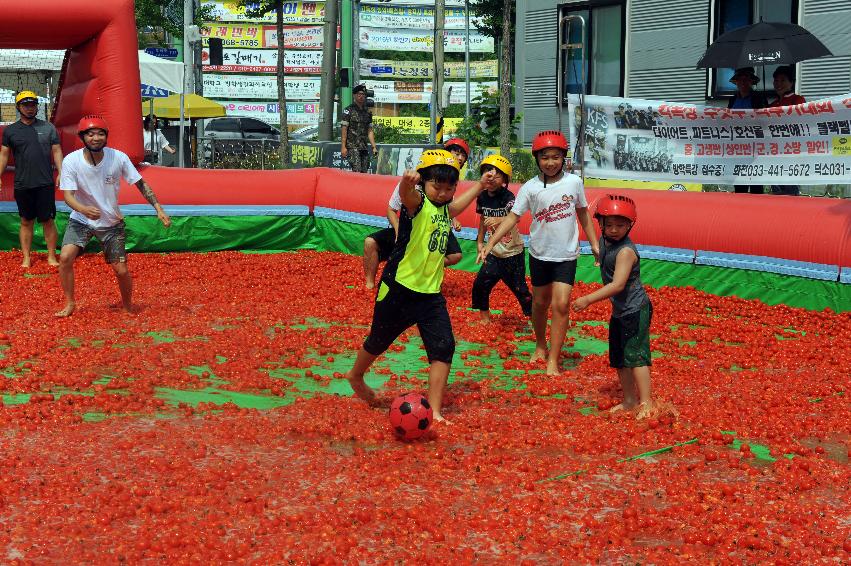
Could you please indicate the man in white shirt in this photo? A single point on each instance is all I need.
(91, 178)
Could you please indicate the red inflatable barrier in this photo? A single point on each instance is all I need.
(101, 71)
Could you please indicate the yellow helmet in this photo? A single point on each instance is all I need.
(436, 157)
(26, 95)
(499, 162)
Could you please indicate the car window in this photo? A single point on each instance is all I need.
(223, 125)
(255, 126)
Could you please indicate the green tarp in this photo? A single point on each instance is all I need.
(281, 233)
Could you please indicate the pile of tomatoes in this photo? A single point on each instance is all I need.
(214, 425)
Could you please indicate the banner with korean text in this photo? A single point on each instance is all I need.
(806, 144)
(423, 40)
(264, 61)
(259, 87)
(415, 125)
(383, 68)
(411, 17)
(294, 12)
(298, 113)
(297, 37)
(400, 92)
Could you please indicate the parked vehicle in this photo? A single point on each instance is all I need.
(240, 135)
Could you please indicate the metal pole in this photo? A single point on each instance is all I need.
(187, 76)
(356, 43)
(329, 64)
(437, 85)
(467, 53)
(346, 46)
(564, 45)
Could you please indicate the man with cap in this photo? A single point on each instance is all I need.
(747, 98)
(91, 178)
(35, 146)
(357, 131)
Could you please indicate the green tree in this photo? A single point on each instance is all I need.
(161, 17)
(498, 22)
(256, 9)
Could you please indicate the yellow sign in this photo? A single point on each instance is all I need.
(234, 35)
(415, 125)
(652, 185)
(842, 145)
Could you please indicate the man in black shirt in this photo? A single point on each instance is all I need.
(33, 143)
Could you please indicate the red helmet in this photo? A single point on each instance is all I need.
(460, 143)
(91, 122)
(616, 205)
(549, 138)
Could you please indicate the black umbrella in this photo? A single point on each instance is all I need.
(763, 43)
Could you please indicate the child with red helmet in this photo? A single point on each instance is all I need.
(556, 200)
(629, 326)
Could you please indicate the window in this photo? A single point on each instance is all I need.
(733, 14)
(223, 125)
(253, 126)
(604, 36)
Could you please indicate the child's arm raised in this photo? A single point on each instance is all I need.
(411, 198)
(458, 205)
(505, 227)
(623, 264)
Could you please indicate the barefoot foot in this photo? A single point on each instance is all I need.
(622, 407)
(438, 418)
(539, 355)
(370, 285)
(52, 261)
(362, 390)
(26, 263)
(553, 367)
(69, 308)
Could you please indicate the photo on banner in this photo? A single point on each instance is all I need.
(647, 140)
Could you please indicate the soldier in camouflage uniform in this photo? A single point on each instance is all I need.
(357, 131)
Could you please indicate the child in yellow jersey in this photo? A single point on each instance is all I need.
(409, 293)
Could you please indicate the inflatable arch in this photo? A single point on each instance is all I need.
(101, 70)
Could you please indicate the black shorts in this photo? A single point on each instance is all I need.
(545, 272)
(397, 308)
(37, 203)
(629, 338)
(386, 240)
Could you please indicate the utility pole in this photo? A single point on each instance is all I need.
(188, 76)
(329, 66)
(467, 54)
(346, 47)
(437, 84)
(505, 82)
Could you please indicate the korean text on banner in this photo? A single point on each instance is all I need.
(423, 40)
(294, 12)
(298, 113)
(410, 17)
(386, 69)
(264, 61)
(415, 125)
(806, 144)
(259, 87)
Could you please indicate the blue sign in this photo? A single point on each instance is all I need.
(386, 70)
(164, 52)
(149, 91)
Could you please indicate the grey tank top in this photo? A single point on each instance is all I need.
(633, 296)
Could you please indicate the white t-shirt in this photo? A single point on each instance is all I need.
(97, 185)
(160, 141)
(396, 199)
(554, 235)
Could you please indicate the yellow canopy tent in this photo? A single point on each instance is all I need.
(194, 107)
